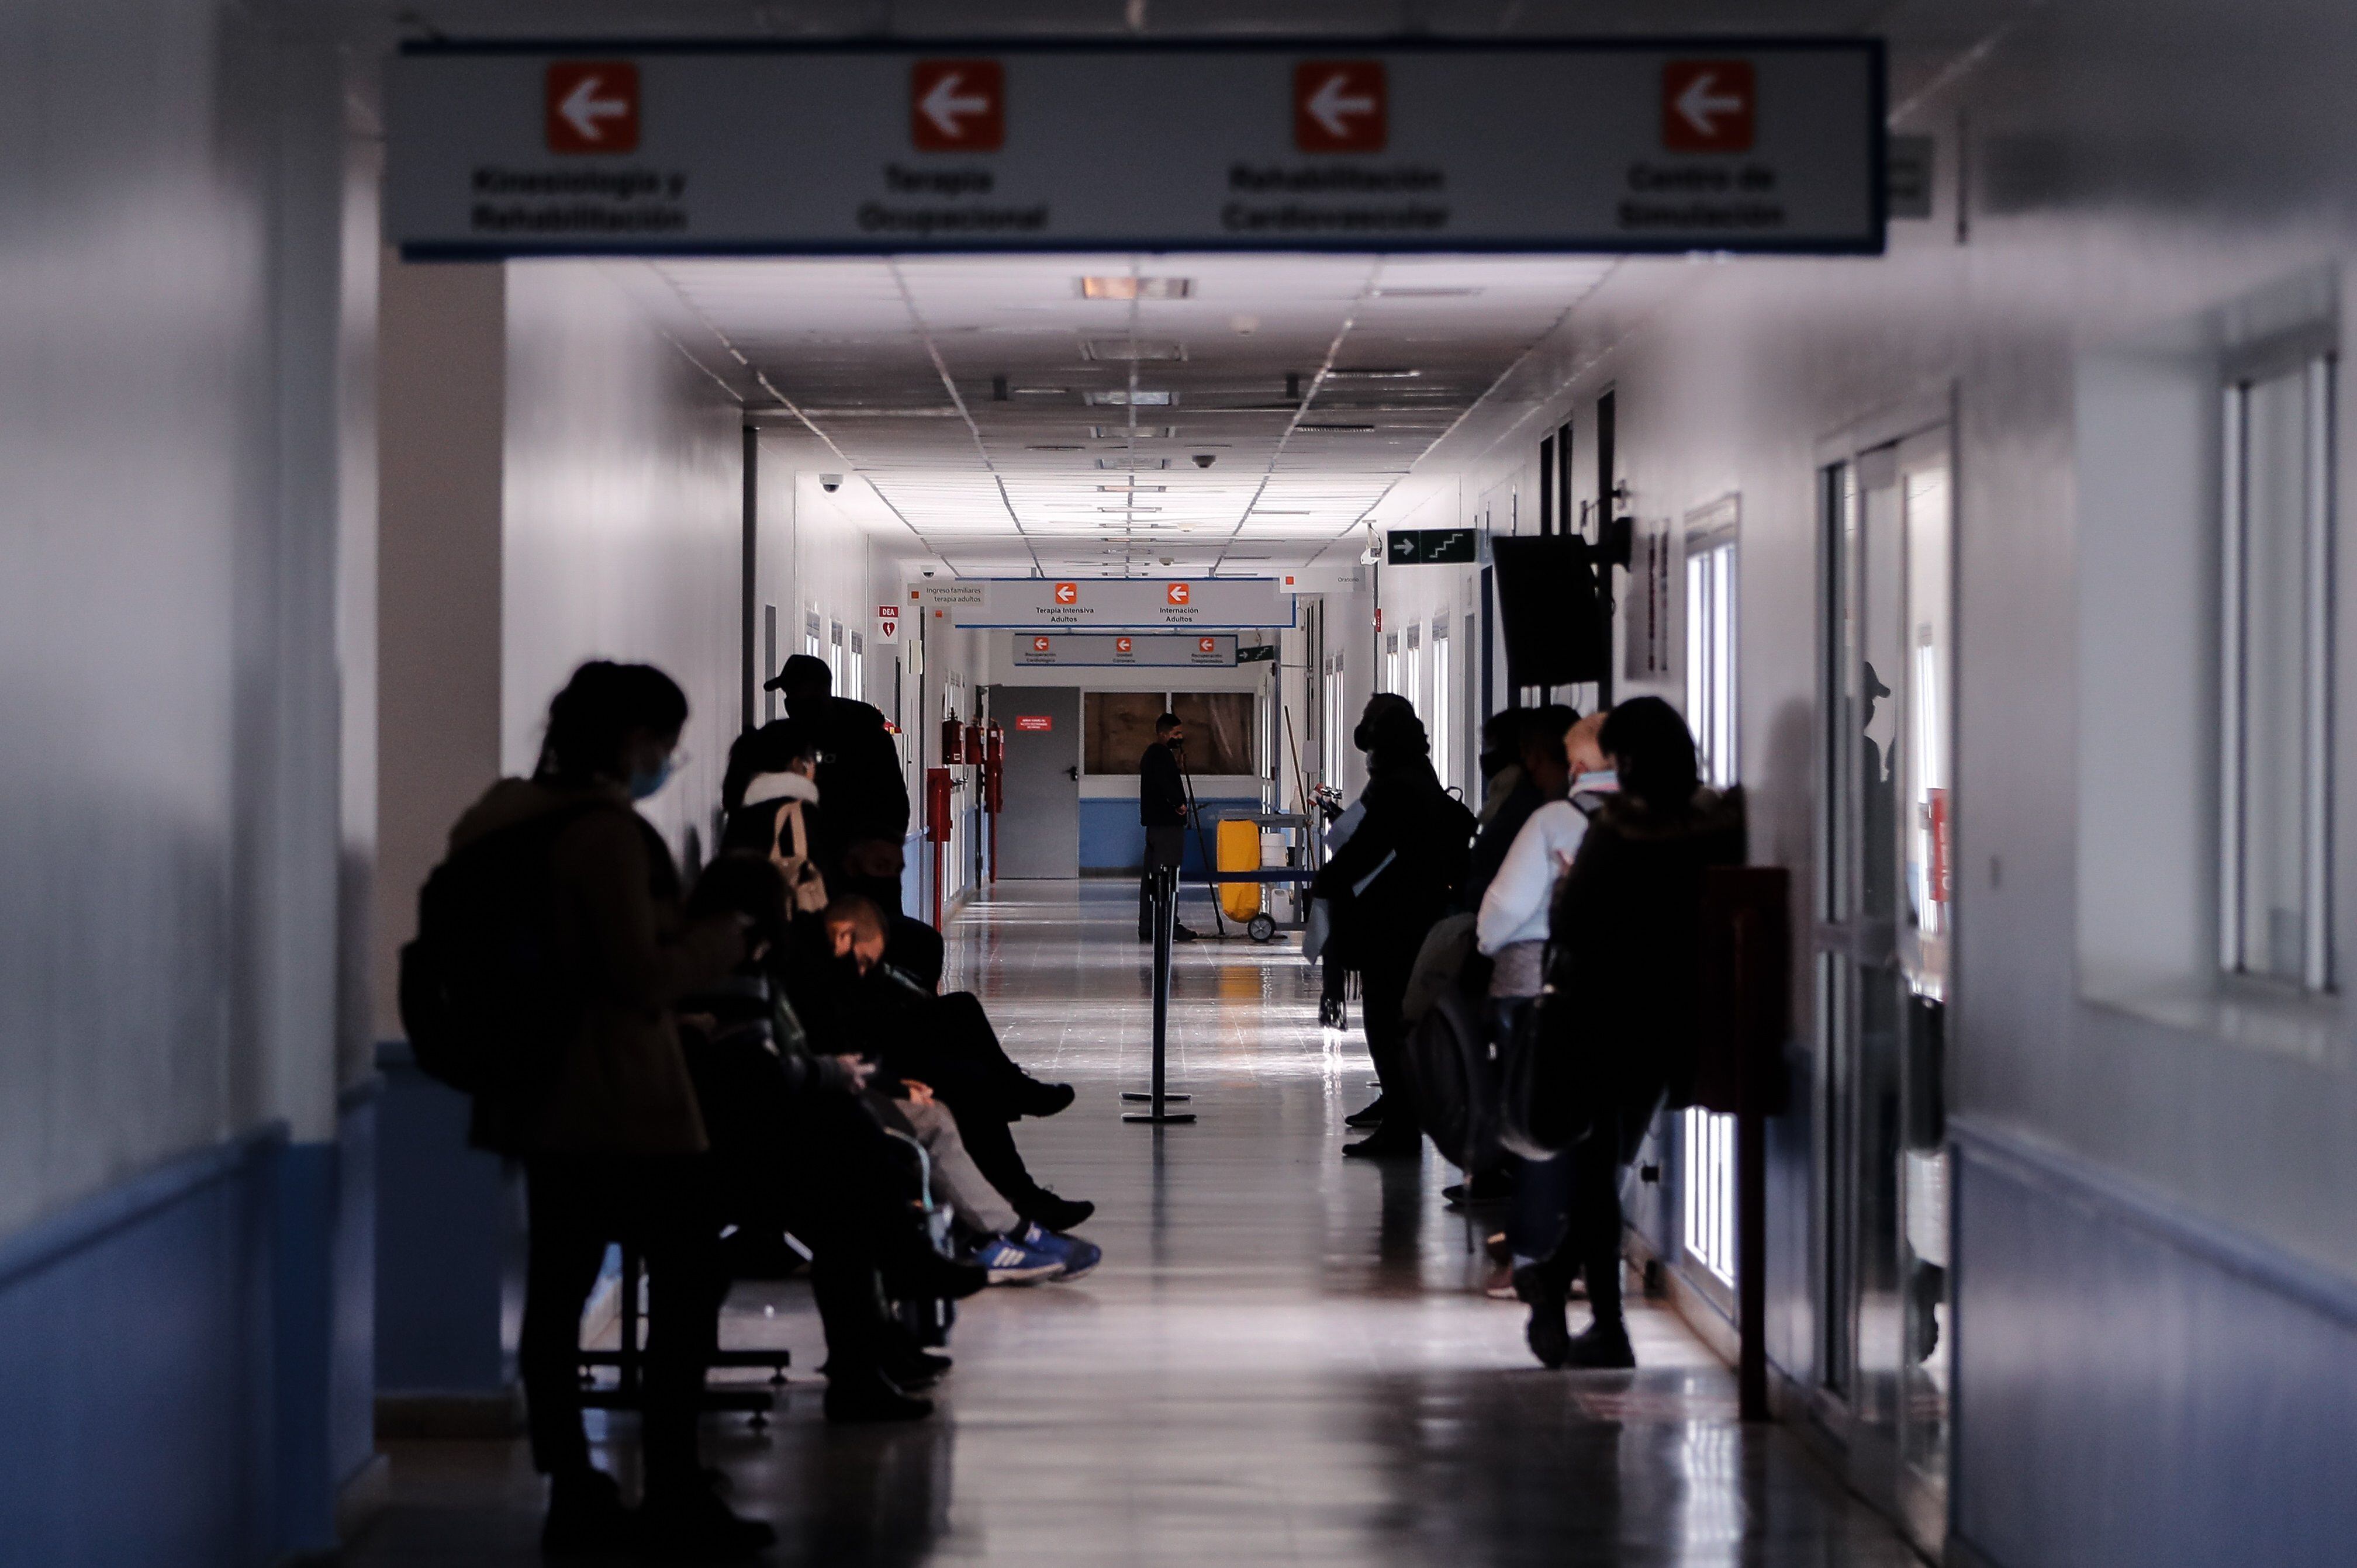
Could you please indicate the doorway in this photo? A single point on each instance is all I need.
(1887, 687)
(1039, 830)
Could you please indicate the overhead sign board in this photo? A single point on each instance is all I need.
(1121, 603)
(688, 147)
(1215, 651)
(1431, 547)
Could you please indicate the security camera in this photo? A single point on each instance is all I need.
(1168, 561)
(1205, 460)
(929, 571)
(830, 483)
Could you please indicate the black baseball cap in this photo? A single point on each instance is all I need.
(800, 668)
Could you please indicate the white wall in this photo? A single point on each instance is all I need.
(170, 478)
(623, 520)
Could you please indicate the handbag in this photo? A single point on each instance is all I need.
(1549, 1089)
(804, 886)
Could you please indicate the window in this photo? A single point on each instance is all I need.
(1118, 728)
(1444, 705)
(1709, 1165)
(1335, 729)
(769, 659)
(1392, 664)
(1710, 652)
(1412, 669)
(858, 669)
(2276, 660)
(811, 635)
(834, 658)
(1119, 725)
(1219, 730)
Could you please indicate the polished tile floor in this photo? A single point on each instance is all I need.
(1283, 1359)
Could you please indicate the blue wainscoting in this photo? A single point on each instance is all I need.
(448, 1246)
(1112, 840)
(2137, 1385)
(177, 1359)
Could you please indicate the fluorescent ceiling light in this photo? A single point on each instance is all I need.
(1142, 433)
(1055, 449)
(1121, 397)
(1127, 509)
(1134, 488)
(1272, 511)
(1136, 288)
(1040, 392)
(1375, 375)
(1333, 427)
(1129, 351)
(1426, 292)
(1142, 465)
(880, 413)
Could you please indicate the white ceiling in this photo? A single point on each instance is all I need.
(988, 403)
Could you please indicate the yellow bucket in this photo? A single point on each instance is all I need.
(1239, 850)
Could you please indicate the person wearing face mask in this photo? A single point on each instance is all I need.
(610, 1135)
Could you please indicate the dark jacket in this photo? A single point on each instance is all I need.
(858, 770)
(1499, 828)
(1626, 942)
(1410, 817)
(1161, 792)
(622, 1084)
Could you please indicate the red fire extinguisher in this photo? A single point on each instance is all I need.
(937, 828)
(952, 740)
(994, 784)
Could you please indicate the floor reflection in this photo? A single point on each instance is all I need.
(1285, 1358)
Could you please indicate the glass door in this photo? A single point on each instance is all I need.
(1882, 971)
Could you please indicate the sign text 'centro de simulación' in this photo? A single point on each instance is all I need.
(515, 149)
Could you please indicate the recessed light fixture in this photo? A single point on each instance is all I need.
(1142, 433)
(1129, 351)
(1157, 488)
(1121, 397)
(880, 413)
(1041, 392)
(1128, 508)
(1426, 292)
(1136, 288)
(1142, 465)
(1372, 375)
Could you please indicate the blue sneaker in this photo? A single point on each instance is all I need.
(1078, 1256)
(1009, 1262)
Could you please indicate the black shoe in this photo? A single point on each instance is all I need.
(871, 1396)
(1390, 1141)
(920, 1272)
(693, 1525)
(1054, 1213)
(1600, 1345)
(587, 1520)
(1182, 934)
(1329, 1012)
(1490, 1186)
(1548, 1335)
(1033, 1097)
(915, 1369)
(1372, 1116)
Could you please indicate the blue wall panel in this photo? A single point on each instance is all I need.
(135, 1370)
(2137, 1386)
(446, 1232)
(1111, 838)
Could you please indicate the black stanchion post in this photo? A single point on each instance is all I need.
(1166, 917)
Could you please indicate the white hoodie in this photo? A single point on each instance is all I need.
(1522, 896)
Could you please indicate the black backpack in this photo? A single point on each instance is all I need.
(487, 1000)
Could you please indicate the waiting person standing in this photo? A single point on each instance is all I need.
(858, 776)
(1397, 875)
(1162, 811)
(1625, 943)
(610, 1135)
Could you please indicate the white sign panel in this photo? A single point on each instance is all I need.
(1126, 604)
(685, 147)
(1206, 651)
